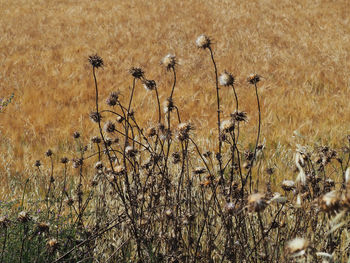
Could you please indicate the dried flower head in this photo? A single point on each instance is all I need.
(226, 79)
(169, 61)
(227, 125)
(137, 73)
(120, 119)
(130, 151)
(48, 153)
(297, 245)
(69, 201)
(149, 84)
(23, 217)
(109, 127)
(96, 139)
(169, 214)
(176, 157)
(96, 61)
(64, 160)
(43, 227)
(168, 105)
(199, 170)
(95, 116)
(37, 163)
(203, 42)
(52, 244)
(98, 165)
(77, 162)
(256, 202)
(253, 78)
(183, 130)
(151, 132)
(119, 170)
(239, 116)
(4, 222)
(330, 202)
(230, 208)
(288, 185)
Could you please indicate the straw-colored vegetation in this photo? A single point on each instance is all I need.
(158, 195)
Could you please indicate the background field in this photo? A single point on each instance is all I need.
(301, 48)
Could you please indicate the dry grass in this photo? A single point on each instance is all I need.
(299, 47)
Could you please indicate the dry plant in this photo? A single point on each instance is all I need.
(153, 193)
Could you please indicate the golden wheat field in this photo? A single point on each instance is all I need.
(300, 48)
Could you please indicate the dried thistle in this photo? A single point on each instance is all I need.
(37, 163)
(288, 185)
(226, 79)
(253, 79)
(95, 116)
(23, 217)
(330, 202)
(227, 125)
(297, 246)
(130, 151)
(64, 160)
(109, 127)
(256, 202)
(137, 73)
(199, 170)
(203, 42)
(48, 153)
(169, 61)
(96, 61)
(96, 139)
(149, 84)
(239, 116)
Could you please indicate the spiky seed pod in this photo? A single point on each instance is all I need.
(239, 116)
(203, 42)
(109, 127)
(151, 132)
(227, 125)
(256, 202)
(253, 79)
(69, 201)
(37, 163)
(48, 153)
(130, 151)
(226, 79)
(119, 170)
(98, 165)
(169, 61)
(149, 84)
(330, 202)
(96, 139)
(169, 214)
(120, 119)
(23, 217)
(77, 162)
(183, 130)
(43, 227)
(168, 105)
(297, 245)
(199, 170)
(96, 61)
(230, 208)
(288, 185)
(52, 244)
(137, 73)
(108, 141)
(176, 157)
(95, 116)
(4, 222)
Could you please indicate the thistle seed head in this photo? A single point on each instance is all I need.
(23, 217)
(256, 202)
(96, 139)
(52, 244)
(98, 165)
(95, 116)
(183, 130)
(297, 245)
(203, 42)
(96, 61)
(48, 153)
(64, 160)
(288, 185)
(253, 79)
(226, 79)
(109, 127)
(130, 151)
(227, 125)
(37, 163)
(149, 84)
(239, 116)
(199, 170)
(137, 73)
(169, 61)
(330, 202)
(4, 222)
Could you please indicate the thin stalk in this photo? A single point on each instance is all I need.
(218, 110)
